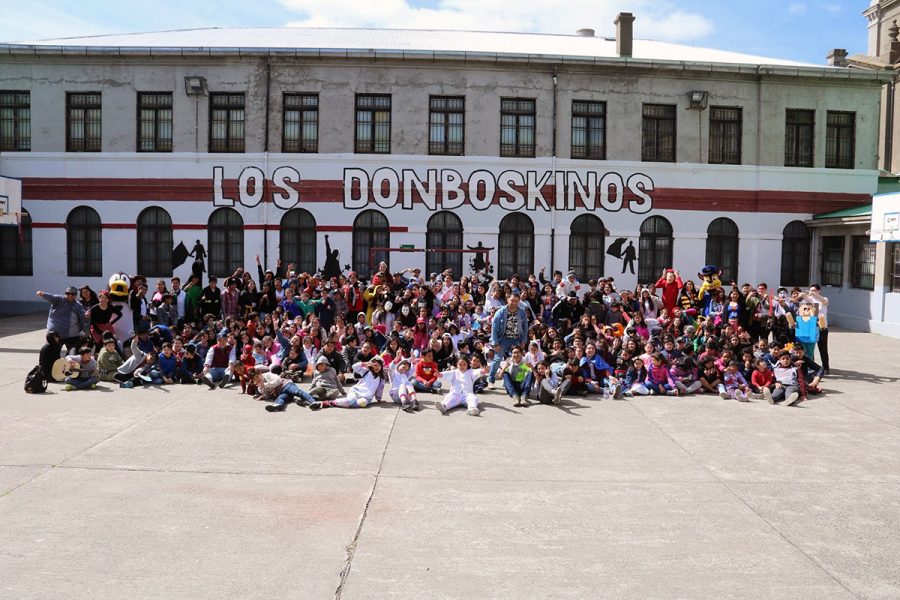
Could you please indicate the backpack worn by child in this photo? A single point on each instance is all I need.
(36, 381)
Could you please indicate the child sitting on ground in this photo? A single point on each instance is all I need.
(402, 390)
(461, 381)
(369, 388)
(735, 385)
(326, 385)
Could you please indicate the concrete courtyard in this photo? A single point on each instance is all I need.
(183, 492)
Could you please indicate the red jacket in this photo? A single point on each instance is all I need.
(426, 372)
(761, 379)
(669, 291)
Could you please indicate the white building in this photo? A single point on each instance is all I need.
(547, 148)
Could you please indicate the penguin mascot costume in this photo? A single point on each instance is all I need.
(119, 288)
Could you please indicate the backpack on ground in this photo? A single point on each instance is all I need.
(36, 381)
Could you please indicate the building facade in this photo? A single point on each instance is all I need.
(139, 152)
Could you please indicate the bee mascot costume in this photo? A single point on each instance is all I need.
(710, 275)
(119, 288)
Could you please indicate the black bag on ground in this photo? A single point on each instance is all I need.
(35, 381)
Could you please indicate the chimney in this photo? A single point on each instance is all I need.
(586, 32)
(894, 56)
(624, 33)
(838, 58)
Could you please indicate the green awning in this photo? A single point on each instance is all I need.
(854, 211)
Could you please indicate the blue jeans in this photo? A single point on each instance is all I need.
(81, 383)
(506, 345)
(289, 391)
(218, 374)
(426, 389)
(515, 388)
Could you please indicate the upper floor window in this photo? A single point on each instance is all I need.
(725, 125)
(799, 135)
(373, 123)
(301, 123)
(15, 121)
(517, 122)
(840, 140)
(83, 122)
(447, 125)
(154, 128)
(226, 122)
(658, 142)
(588, 129)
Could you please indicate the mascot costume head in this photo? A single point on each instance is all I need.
(711, 277)
(119, 290)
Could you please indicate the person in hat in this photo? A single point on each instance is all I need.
(66, 317)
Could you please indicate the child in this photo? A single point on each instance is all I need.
(109, 360)
(762, 380)
(517, 377)
(191, 366)
(368, 389)
(547, 388)
(248, 362)
(461, 381)
(402, 390)
(167, 363)
(426, 379)
(711, 377)
(82, 371)
(326, 385)
(684, 375)
(735, 385)
(787, 385)
(658, 379)
(284, 391)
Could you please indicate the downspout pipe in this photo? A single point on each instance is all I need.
(266, 170)
(555, 179)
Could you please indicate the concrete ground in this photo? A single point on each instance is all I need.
(183, 492)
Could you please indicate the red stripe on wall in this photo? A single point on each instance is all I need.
(201, 190)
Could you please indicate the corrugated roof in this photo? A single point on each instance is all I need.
(408, 40)
(853, 211)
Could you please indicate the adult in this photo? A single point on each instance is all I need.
(670, 283)
(66, 317)
(217, 366)
(509, 328)
(821, 302)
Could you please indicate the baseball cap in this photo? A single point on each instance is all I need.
(71, 290)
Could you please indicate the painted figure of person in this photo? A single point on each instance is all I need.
(628, 258)
(199, 254)
(332, 266)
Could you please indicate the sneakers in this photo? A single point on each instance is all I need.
(791, 400)
(557, 395)
(756, 396)
(69, 387)
(672, 393)
(518, 401)
(742, 396)
(93, 386)
(275, 407)
(473, 412)
(523, 400)
(440, 406)
(724, 395)
(225, 381)
(616, 391)
(408, 408)
(205, 379)
(767, 394)
(315, 405)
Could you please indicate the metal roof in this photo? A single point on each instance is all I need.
(394, 41)
(845, 213)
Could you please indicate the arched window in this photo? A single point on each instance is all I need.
(84, 242)
(226, 242)
(586, 245)
(445, 230)
(370, 230)
(515, 246)
(722, 247)
(298, 240)
(15, 247)
(154, 243)
(655, 249)
(795, 246)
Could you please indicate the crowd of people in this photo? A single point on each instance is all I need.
(288, 337)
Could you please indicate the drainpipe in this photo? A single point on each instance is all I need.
(889, 129)
(266, 170)
(556, 181)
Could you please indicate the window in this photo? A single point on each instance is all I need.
(722, 247)
(373, 123)
(301, 123)
(833, 260)
(15, 121)
(840, 140)
(84, 242)
(517, 117)
(447, 125)
(370, 230)
(655, 248)
(795, 242)
(658, 142)
(862, 273)
(83, 122)
(154, 243)
(516, 246)
(154, 127)
(298, 240)
(725, 126)
(586, 247)
(226, 242)
(226, 122)
(798, 138)
(445, 230)
(895, 267)
(588, 129)
(15, 248)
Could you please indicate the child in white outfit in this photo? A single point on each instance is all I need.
(461, 381)
(369, 388)
(402, 390)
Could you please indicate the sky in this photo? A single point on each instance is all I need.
(802, 30)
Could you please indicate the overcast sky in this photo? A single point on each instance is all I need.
(804, 30)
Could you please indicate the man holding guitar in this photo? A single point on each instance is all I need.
(81, 371)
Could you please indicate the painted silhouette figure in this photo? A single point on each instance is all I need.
(332, 266)
(199, 254)
(478, 263)
(628, 258)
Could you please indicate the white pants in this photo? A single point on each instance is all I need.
(688, 389)
(454, 399)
